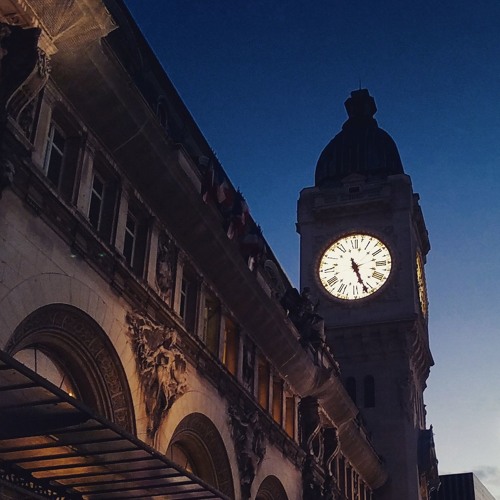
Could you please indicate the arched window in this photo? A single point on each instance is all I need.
(271, 489)
(67, 347)
(350, 386)
(369, 392)
(197, 446)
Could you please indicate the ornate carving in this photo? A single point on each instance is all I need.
(248, 364)
(274, 280)
(408, 397)
(165, 266)
(312, 483)
(303, 314)
(30, 88)
(160, 364)
(248, 438)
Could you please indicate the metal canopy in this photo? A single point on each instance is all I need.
(56, 447)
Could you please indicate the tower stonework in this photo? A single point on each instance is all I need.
(363, 245)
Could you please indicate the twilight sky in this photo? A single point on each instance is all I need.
(266, 81)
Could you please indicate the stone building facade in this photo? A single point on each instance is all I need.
(151, 345)
(134, 280)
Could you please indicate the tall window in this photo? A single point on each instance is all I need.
(54, 155)
(277, 409)
(263, 375)
(290, 415)
(248, 364)
(188, 299)
(231, 345)
(211, 323)
(96, 201)
(369, 392)
(62, 150)
(135, 241)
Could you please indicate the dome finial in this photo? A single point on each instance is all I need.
(361, 104)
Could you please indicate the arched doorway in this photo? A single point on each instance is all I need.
(66, 346)
(197, 446)
(271, 489)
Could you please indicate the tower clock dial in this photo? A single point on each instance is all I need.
(422, 287)
(355, 266)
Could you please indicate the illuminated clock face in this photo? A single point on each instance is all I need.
(355, 266)
(422, 288)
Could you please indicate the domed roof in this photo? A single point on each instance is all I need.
(361, 147)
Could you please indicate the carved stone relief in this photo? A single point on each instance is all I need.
(165, 267)
(408, 396)
(248, 437)
(160, 364)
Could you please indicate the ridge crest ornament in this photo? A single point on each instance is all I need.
(355, 266)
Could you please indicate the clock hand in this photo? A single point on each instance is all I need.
(355, 268)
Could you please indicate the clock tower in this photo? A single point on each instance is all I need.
(363, 246)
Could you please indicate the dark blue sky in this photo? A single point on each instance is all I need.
(266, 81)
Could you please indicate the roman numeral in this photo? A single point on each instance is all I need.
(342, 288)
(381, 263)
(376, 252)
(328, 269)
(354, 244)
(341, 247)
(377, 275)
(332, 280)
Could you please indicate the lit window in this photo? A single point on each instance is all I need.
(263, 375)
(290, 415)
(231, 346)
(277, 408)
(180, 456)
(46, 367)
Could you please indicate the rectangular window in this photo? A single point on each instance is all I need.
(263, 374)
(54, 155)
(277, 408)
(130, 243)
(188, 299)
(135, 241)
(290, 416)
(231, 345)
(211, 324)
(62, 151)
(248, 364)
(103, 203)
(96, 201)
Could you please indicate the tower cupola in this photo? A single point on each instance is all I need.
(361, 147)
